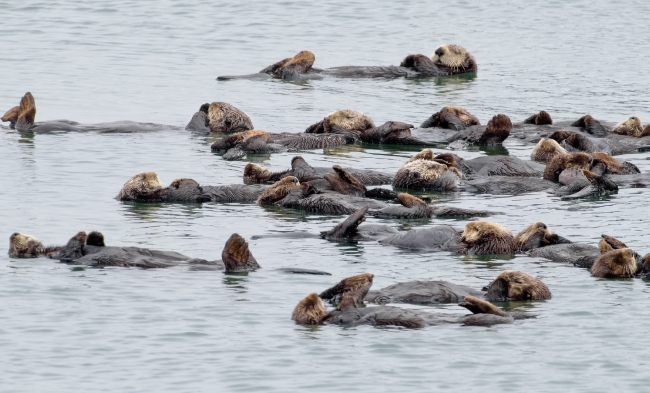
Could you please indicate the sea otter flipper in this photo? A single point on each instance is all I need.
(198, 123)
(11, 116)
(348, 227)
(451, 211)
(236, 255)
(344, 183)
(27, 113)
(257, 76)
(356, 287)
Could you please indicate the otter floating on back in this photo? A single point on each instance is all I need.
(449, 59)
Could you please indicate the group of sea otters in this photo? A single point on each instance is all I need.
(570, 159)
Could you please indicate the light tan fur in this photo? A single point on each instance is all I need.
(546, 149)
(564, 161)
(248, 135)
(310, 310)
(425, 154)
(477, 230)
(409, 200)
(428, 169)
(646, 131)
(617, 263)
(522, 286)
(223, 116)
(255, 173)
(20, 244)
(350, 119)
(278, 190)
(462, 114)
(522, 237)
(142, 183)
(630, 127)
(454, 57)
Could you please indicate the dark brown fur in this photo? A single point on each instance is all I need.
(482, 237)
(539, 119)
(310, 310)
(236, 255)
(343, 182)
(27, 113)
(516, 285)
(564, 161)
(615, 264)
(356, 286)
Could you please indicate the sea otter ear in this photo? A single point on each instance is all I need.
(237, 257)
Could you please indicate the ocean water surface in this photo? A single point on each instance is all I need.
(72, 329)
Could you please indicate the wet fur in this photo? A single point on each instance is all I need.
(564, 161)
(482, 237)
(236, 255)
(278, 190)
(516, 285)
(225, 118)
(26, 246)
(310, 310)
(630, 127)
(615, 264)
(453, 58)
(546, 150)
(141, 187)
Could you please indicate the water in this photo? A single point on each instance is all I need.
(70, 329)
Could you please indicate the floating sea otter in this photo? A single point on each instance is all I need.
(351, 293)
(449, 59)
(22, 118)
(90, 250)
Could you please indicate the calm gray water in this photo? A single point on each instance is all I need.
(73, 330)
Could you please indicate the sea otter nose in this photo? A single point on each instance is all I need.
(15, 234)
(439, 52)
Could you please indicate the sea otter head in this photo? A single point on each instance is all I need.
(310, 311)
(27, 113)
(349, 120)
(480, 306)
(278, 190)
(95, 238)
(616, 263)
(424, 174)
(539, 119)
(24, 246)
(546, 150)
(630, 127)
(482, 237)
(564, 161)
(236, 255)
(185, 190)
(453, 58)
(496, 131)
(11, 116)
(225, 118)
(256, 173)
(451, 117)
(516, 285)
(534, 236)
(144, 186)
(291, 67)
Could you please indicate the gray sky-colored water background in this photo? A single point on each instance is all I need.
(69, 329)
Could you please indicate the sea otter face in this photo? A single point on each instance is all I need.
(482, 237)
(453, 58)
(630, 127)
(141, 187)
(278, 190)
(24, 246)
(516, 285)
(310, 311)
(546, 150)
(225, 118)
(615, 264)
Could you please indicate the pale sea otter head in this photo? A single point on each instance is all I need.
(546, 150)
(630, 127)
(225, 118)
(144, 186)
(516, 285)
(453, 58)
(310, 310)
(24, 246)
(483, 237)
(278, 190)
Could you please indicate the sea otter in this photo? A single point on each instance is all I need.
(414, 207)
(451, 117)
(350, 293)
(546, 149)
(146, 187)
(508, 286)
(615, 264)
(23, 117)
(90, 250)
(219, 117)
(494, 133)
(449, 59)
